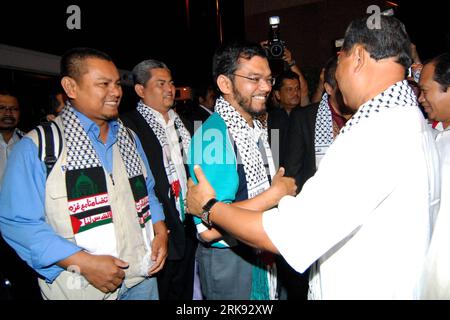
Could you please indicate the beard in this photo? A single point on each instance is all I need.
(246, 104)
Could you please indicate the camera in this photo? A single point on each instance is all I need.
(275, 46)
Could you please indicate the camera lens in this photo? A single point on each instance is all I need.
(276, 50)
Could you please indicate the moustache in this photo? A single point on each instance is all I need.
(8, 118)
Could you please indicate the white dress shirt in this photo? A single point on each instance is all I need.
(5, 150)
(175, 147)
(366, 215)
(437, 270)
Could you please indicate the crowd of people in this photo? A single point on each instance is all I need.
(256, 192)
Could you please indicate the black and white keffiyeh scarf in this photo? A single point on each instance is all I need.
(252, 144)
(81, 153)
(177, 183)
(400, 94)
(323, 136)
(248, 141)
(86, 186)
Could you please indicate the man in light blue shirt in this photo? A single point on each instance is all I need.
(95, 244)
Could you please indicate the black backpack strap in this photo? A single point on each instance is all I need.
(20, 134)
(49, 148)
(130, 133)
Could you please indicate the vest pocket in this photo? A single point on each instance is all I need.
(57, 212)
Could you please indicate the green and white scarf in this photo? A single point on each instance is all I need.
(87, 195)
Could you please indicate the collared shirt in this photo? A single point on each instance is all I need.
(22, 200)
(175, 146)
(338, 120)
(436, 274)
(206, 109)
(366, 215)
(442, 136)
(5, 150)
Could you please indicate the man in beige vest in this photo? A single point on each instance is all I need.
(91, 226)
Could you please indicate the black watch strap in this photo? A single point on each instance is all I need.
(206, 210)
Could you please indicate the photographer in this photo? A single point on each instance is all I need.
(291, 64)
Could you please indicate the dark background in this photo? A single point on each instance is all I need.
(131, 31)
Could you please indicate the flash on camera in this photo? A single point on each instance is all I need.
(274, 20)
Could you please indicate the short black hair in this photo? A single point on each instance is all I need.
(442, 70)
(390, 40)
(71, 61)
(201, 91)
(330, 72)
(226, 57)
(8, 91)
(142, 71)
(285, 75)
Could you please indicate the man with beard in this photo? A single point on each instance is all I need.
(9, 119)
(232, 148)
(92, 227)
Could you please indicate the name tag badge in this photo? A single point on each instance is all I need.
(320, 152)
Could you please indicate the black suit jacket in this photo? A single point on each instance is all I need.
(300, 159)
(278, 119)
(197, 113)
(153, 151)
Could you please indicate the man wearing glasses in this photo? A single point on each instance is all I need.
(9, 118)
(233, 151)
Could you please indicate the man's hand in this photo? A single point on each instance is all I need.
(282, 185)
(199, 194)
(103, 272)
(287, 56)
(50, 117)
(159, 247)
(264, 44)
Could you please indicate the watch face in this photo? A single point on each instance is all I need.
(205, 218)
(206, 209)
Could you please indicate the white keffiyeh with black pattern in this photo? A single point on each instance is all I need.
(247, 140)
(251, 144)
(323, 136)
(177, 179)
(81, 153)
(400, 94)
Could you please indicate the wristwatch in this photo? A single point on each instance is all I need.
(206, 211)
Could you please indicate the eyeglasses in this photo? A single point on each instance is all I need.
(12, 109)
(256, 80)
